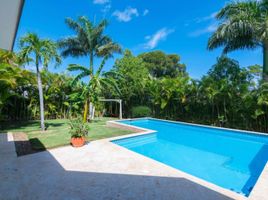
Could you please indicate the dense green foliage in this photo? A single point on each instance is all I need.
(131, 77)
(159, 64)
(227, 96)
(19, 98)
(141, 111)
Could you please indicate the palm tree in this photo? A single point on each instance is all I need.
(97, 82)
(89, 41)
(243, 25)
(42, 52)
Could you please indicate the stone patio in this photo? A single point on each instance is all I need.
(99, 170)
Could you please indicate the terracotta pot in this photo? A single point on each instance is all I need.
(78, 142)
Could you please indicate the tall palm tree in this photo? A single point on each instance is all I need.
(91, 41)
(243, 25)
(97, 82)
(41, 52)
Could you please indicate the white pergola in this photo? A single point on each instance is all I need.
(117, 101)
(10, 13)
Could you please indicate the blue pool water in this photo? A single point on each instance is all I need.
(230, 159)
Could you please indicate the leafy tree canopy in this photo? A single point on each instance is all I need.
(160, 64)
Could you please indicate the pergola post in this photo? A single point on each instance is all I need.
(120, 112)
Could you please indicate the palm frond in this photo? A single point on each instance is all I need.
(110, 83)
(71, 46)
(79, 77)
(37, 49)
(75, 67)
(239, 28)
(101, 66)
(74, 25)
(108, 49)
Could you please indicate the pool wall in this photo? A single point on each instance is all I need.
(259, 192)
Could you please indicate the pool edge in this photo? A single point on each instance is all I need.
(258, 192)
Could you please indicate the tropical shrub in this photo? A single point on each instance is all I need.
(78, 128)
(141, 111)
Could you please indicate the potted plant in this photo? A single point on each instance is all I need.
(78, 131)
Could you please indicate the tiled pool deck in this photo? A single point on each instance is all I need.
(103, 170)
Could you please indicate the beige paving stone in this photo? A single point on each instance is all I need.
(99, 170)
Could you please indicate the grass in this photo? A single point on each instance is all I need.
(57, 133)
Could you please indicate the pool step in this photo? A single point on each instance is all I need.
(138, 141)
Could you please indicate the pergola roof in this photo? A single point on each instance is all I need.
(10, 13)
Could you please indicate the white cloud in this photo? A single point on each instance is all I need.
(101, 1)
(206, 18)
(145, 12)
(106, 8)
(154, 39)
(126, 15)
(209, 29)
(105, 4)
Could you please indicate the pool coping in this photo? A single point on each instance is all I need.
(207, 126)
(258, 192)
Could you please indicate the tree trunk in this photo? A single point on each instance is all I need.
(90, 77)
(91, 64)
(85, 111)
(265, 61)
(41, 98)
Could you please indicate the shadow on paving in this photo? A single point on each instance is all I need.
(40, 176)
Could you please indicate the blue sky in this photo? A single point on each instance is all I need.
(173, 26)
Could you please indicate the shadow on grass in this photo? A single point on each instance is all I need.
(58, 124)
(6, 126)
(9, 125)
(24, 146)
(36, 144)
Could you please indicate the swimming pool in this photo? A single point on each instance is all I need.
(231, 159)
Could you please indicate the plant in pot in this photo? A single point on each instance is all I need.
(78, 131)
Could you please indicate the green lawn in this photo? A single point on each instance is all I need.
(57, 133)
